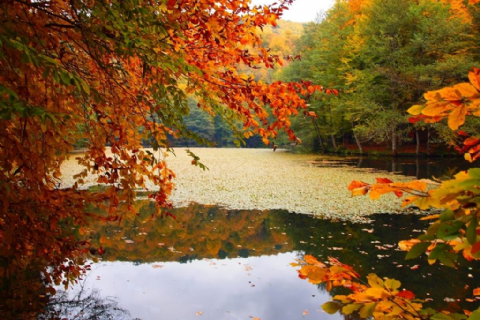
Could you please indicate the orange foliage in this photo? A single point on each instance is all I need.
(115, 73)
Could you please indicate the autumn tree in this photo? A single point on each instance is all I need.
(113, 73)
(383, 55)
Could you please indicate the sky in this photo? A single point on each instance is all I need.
(301, 10)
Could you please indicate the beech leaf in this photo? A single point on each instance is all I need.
(331, 307)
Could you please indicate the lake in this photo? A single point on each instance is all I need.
(212, 262)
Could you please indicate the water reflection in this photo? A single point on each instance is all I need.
(420, 168)
(241, 288)
(235, 264)
(83, 304)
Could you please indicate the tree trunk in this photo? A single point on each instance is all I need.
(357, 141)
(359, 163)
(394, 165)
(428, 141)
(417, 138)
(417, 166)
(394, 143)
(334, 143)
(317, 131)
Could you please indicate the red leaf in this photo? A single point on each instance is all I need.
(357, 184)
(168, 214)
(398, 193)
(384, 180)
(407, 294)
(476, 247)
(471, 141)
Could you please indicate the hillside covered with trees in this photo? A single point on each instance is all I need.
(382, 55)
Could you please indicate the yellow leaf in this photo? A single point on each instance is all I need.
(374, 281)
(343, 299)
(377, 293)
(468, 157)
(406, 245)
(367, 310)
(417, 185)
(431, 217)
(392, 285)
(359, 192)
(457, 117)
(310, 259)
(436, 108)
(474, 77)
(416, 109)
(409, 200)
(313, 273)
(349, 308)
(466, 90)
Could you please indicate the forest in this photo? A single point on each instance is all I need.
(381, 56)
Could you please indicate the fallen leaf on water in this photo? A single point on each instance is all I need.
(199, 313)
(157, 266)
(305, 312)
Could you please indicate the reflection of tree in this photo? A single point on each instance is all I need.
(372, 248)
(197, 232)
(85, 305)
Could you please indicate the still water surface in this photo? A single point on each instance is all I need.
(213, 263)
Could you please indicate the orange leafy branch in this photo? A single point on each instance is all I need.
(378, 298)
(453, 103)
(418, 189)
(455, 230)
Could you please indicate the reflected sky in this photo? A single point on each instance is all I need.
(264, 287)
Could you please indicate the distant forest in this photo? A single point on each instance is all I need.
(381, 55)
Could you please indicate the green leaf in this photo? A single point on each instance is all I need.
(440, 316)
(417, 250)
(64, 78)
(475, 315)
(447, 215)
(426, 237)
(427, 312)
(331, 307)
(458, 316)
(474, 173)
(439, 248)
(449, 230)
(472, 230)
(85, 86)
